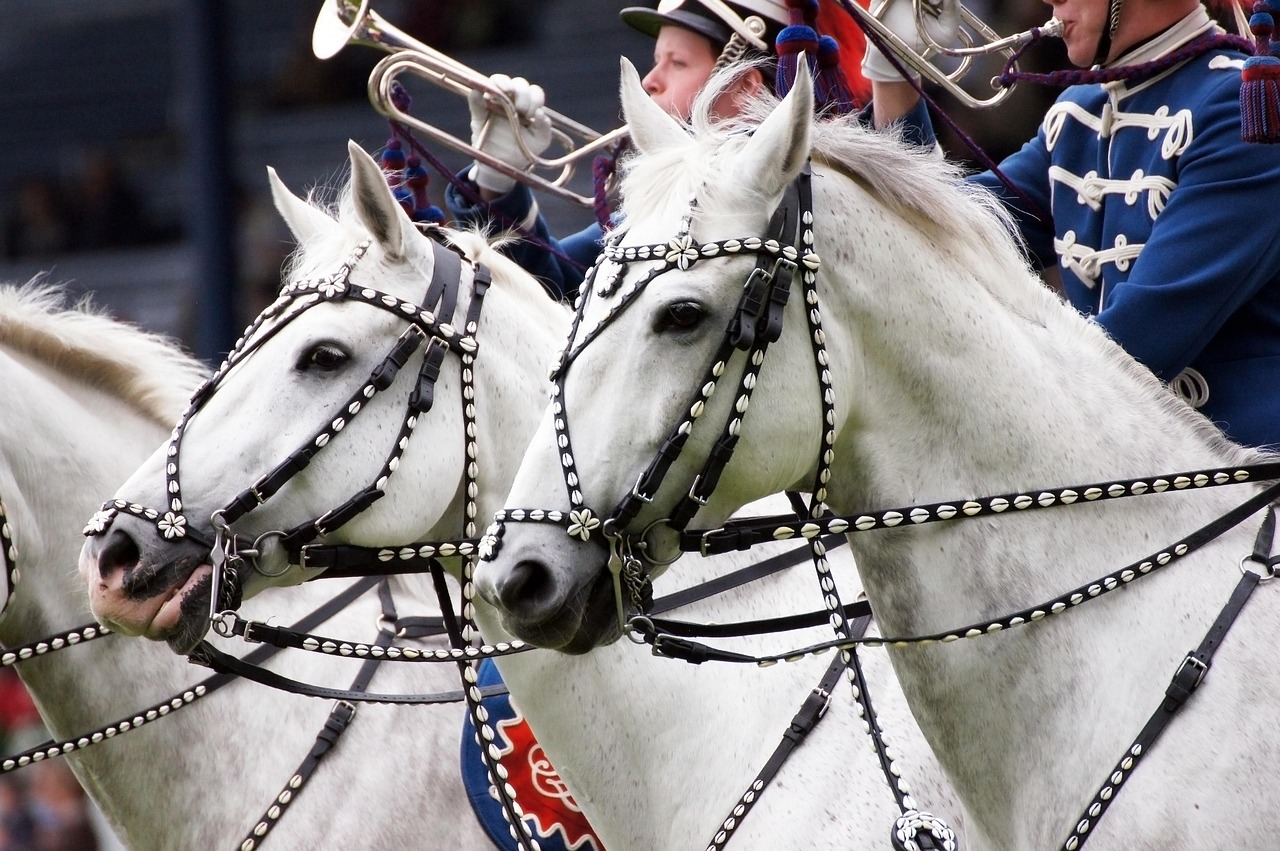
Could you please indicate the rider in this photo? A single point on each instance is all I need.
(1161, 219)
(693, 38)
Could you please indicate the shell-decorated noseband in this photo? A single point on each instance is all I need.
(785, 249)
(427, 323)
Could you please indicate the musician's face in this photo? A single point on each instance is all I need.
(682, 64)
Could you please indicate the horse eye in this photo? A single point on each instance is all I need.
(680, 316)
(325, 357)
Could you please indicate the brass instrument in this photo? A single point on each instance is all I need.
(343, 22)
(978, 40)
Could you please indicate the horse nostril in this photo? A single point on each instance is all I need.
(527, 583)
(120, 551)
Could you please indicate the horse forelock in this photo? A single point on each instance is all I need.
(147, 371)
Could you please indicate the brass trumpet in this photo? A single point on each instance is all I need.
(343, 22)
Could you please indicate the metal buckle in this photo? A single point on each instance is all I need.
(635, 491)
(1194, 663)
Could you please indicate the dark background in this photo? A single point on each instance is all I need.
(136, 133)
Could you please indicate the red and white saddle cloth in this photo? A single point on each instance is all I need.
(550, 812)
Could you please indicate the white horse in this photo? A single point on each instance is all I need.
(86, 400)
(953, 374)
(656, 752)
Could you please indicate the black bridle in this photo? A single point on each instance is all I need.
(427, 323)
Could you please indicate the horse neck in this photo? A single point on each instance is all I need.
(967, 386)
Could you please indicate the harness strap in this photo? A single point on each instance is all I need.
(340, 717)
(209, 656)
(806, 719)
(1186, 679)
(741, 534)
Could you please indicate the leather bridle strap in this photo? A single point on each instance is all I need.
(209, 656)
(204, 688)
(741, 534)
(9, 557)
(806, 719)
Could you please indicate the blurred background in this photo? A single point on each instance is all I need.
(136, 133)
(135, 136)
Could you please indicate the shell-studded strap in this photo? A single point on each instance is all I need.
(51, 749)
(744, 533)
(1185, 680)
(1063, 602)
(58, 641)
(9, 557)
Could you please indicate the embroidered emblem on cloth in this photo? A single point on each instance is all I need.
(557, 822)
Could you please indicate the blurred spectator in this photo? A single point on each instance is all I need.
(107, 211)
(37, 226)
(58, 808)
(264, 243)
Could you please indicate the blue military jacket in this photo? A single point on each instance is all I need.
(1166, 227)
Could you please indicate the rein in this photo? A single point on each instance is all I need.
(339, 718)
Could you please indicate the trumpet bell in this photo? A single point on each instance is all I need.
(339, 23)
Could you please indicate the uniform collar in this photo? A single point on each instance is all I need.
(1194, 24)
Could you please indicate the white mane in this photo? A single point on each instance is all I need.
(145, 370)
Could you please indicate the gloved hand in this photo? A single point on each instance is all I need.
(499, 139)
(942, 20)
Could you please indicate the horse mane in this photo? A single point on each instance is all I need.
(147, 371)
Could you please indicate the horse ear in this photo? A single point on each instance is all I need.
(377, 208)
(650, 127)
(779, 148)
(305, 221)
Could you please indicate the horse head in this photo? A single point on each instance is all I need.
(609, 465)
(352, 389)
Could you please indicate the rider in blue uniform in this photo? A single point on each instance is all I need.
(1163, 222)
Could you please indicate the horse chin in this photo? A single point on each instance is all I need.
(584, 622)
(189, 625)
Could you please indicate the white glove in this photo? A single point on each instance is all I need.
(491, 130)
(942, 20)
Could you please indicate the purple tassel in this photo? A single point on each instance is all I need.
(830, 86)
(1260, 80)
(792, 43)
